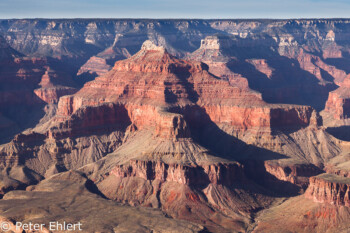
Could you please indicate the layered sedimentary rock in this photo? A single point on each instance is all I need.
(158, 131)
(329, 188)
(166, 81)
(314, 43)
(190, 192)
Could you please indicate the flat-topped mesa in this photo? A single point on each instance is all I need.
(216, 42)
(213, 49)
(329, 188)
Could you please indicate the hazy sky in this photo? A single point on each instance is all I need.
(174, 9)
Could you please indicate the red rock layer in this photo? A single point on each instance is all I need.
(284, 176)
(328, 188)
(92, 120)
(202, 193)
(226, 174)
(53, 94)
(297, 174)
(152, 80)
(51, 86)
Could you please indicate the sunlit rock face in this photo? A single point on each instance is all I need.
(221, 125)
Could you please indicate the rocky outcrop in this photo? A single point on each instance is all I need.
(286, 177)
(182, 191)
(329, 188)
(224, 174)
(297, 174)
(46, 200)
(92, 120)
(95, 65)
(153, 77)
(303, 215)
(53, 94)
(52, 86)
(264, 117)
(338, 103)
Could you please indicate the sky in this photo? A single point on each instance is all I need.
(207, 9)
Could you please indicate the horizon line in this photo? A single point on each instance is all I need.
(180, 18)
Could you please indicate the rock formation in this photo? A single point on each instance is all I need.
(329, 188)
(215, 122)
(95, 65)
(338, 103)
(66, 198)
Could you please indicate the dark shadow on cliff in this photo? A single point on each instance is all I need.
(340, 63)
(183, 74)
(23, 117)
(221, 144)
(288, 84)
(342, 132)
(85, 77)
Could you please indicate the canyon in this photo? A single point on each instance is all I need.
(176, 125)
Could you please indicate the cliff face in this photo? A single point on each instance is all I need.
(95, 65)
(224, 174)
(329, 188)
(338, 103)
(152, 77)
(163, 126)
(186, 192)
